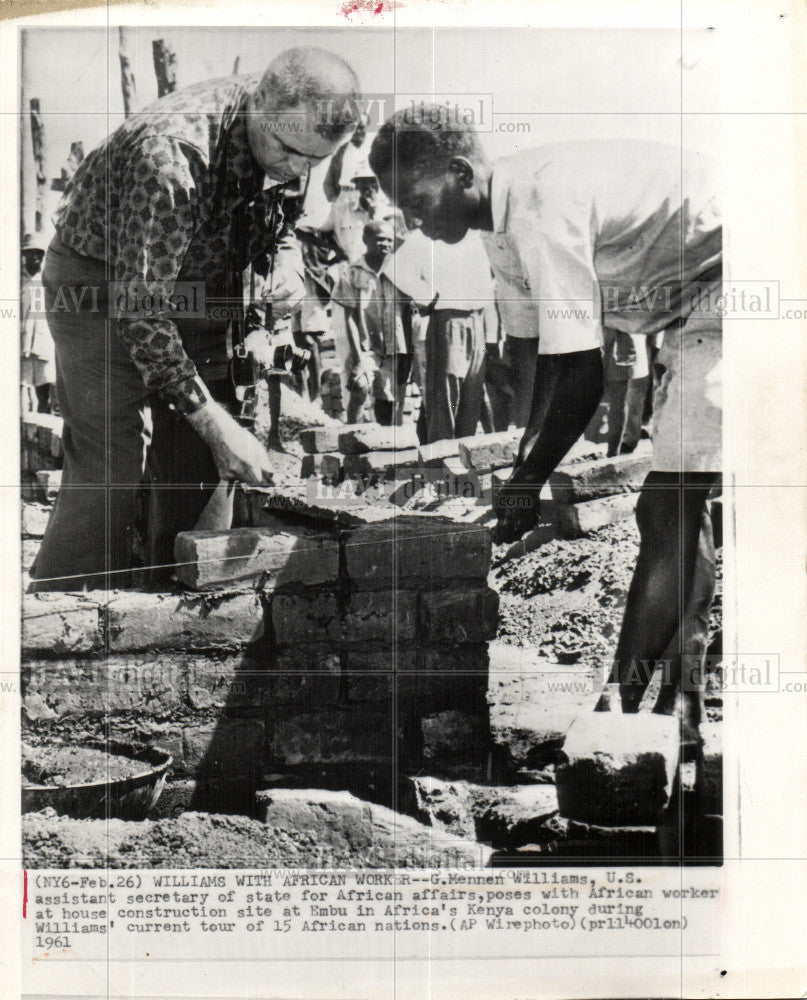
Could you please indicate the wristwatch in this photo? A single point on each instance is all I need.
(188, 396)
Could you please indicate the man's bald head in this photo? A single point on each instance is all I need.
(317, 80)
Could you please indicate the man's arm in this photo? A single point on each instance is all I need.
(159, 209)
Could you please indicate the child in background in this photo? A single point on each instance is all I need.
(377, 319)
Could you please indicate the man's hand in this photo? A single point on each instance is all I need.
(237, 453)
(286, 292)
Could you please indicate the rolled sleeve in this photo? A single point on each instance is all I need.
(158, 208)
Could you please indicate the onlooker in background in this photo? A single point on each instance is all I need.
(339, 178)
(454, 287)
(519, 320)
(377, 321)
(365, 202)
(626, 373)
(313, 322)
(38, 357)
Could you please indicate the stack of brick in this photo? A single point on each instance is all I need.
(589, 495)
(318, 641)
(359, 450)
(375, 624)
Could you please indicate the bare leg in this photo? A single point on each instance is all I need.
(671, 589)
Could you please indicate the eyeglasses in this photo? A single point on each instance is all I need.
(291, 151)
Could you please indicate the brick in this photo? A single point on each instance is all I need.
(414, 548)
(227, 747)
(380, 657)
(322, 439)
(48, 483)
(438, 691)
(454, 735)
(459, 616)
(380, 462)
(114, 684)
(485, 452)
(434, 455)
(166, 621)
(373, 437)
(326, 465)
(34, 520)
(29, 550)
(599, 477)
(237, 681)
(469, 658)
(308, 618)
(331, 736)
(326, 658)
(369, 833)
(577, 519)
(60, 624)
(380, 616)
(210, 559)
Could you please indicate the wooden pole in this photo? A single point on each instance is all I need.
(27, 164)
(38, 143)
(165, 67)
(236, 65)
(127, 77)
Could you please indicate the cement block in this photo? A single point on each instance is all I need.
(322, 439)
(411, 548)
(227, 747)
(334, 735)
(34, 520)
(114, 684)
(60, 624)
(324, 465)
(433, 456)
(166, 621)
(459, 616)
(207, 560)
(384, 463)
(485, 452)
(380, 616)
(373, 437)
(306, 618)
(599, 477)
(579, 519)
(618, 770)
(341, 822)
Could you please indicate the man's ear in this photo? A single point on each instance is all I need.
(463, 169)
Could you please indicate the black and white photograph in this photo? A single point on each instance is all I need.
(373, 485)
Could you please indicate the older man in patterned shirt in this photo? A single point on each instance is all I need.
(194, 188)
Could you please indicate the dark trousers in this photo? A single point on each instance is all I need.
(566, 391)
(455, 373)
(117, 436)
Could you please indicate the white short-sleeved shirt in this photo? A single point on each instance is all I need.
(458, 275)
(604, 232)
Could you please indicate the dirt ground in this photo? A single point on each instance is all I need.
(567, 597)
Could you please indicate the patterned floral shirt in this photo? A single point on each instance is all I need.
(175, 195)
